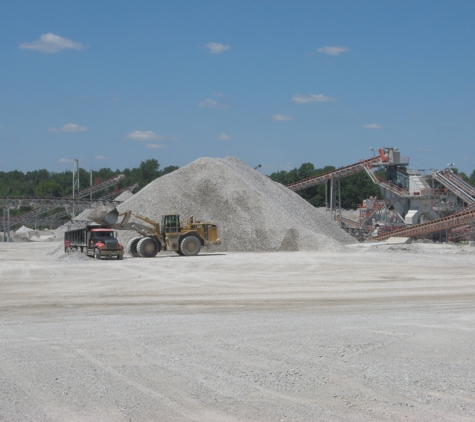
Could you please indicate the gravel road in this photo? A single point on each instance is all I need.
(361, 335)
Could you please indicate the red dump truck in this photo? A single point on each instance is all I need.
(93, 240)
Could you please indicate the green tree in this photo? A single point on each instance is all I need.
(354, 188)
(48, 188)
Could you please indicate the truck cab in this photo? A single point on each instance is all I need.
(102, 242)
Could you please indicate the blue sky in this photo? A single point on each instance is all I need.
(276, 83)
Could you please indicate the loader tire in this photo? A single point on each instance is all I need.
(147, 247)
(190, 246)
(132, 246)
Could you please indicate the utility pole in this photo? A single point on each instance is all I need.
(75, 179)
(6, 224)
(75, 175)
(90, 194)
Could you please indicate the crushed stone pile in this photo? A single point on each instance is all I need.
(124, 196)
(57, 250)
(253, 213)
(70, 258)
(25, 234)
(23, 229)
(82, 216)
(74, 257)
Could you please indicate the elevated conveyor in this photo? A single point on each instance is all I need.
(114, 195)
(97, 187)
(8, 202)
(31, 216)
(466, 217)
(455, 184)
(390, 187)
(338, 173)
(56, 217)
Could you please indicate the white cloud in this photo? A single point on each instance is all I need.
(333, 51)
(224, 137)
(218, 94)
(372, 126)
(302, 98)
(70, 127)
(208, 102)
(64, 160)
(144, 135)
(155, 146)
(50, 43)
(101, 157)
(217, 48)
(281, 118)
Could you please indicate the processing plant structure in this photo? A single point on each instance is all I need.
(439, 205)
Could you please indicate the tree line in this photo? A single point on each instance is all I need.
(46, 183)
(353, 188)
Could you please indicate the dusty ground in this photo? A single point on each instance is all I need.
(300, 336)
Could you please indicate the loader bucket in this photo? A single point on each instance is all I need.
(104, 215)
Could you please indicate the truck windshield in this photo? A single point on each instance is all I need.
(107, 235)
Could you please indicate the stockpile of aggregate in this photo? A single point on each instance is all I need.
(124, 196)
(26, 234)
(253, 213)
(70, 258)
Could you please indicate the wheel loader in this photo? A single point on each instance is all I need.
(170, 235)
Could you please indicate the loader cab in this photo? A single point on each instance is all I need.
(171, 223)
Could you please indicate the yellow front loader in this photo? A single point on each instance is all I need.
(170, 235)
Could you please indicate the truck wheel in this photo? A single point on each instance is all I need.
(97, 253)
(132, 246)
(179, 252)
(120, 257)
(190, 246)
(147, 247)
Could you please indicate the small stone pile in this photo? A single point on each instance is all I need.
(253, 213)
(25, 234)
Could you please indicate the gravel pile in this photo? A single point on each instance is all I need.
(23, 229)
(56, 251)
(253, 213)
(124, 196)
(25, 234)
(73, 257)
(82, 216)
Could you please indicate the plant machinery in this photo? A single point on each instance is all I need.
(170, 235)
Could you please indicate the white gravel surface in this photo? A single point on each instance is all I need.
(252, 212)
(365, 334)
